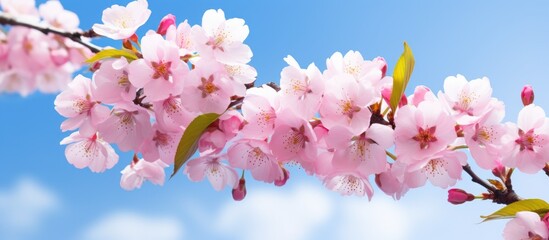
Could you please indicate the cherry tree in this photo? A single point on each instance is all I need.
(185, 96)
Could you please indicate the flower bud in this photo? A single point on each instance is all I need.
(240, 191)
(500, 171)
(458, 196)
(281, 182)
(527, 95)
(165, 23)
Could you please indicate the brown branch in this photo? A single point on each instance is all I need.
(6, 19)
(475, 178)
(505, 196)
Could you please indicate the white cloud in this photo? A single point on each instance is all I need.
(268, 215)
(24, 207)
(128, 225)
(313, 212)
(382, 218)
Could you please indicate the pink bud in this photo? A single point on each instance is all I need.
(458, 196)
(527, 95)
(499, 171)
(386, 94)
(382, 64)
(165, 23)
(240, 191)
(281, 182)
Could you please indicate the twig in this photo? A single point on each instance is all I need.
(475, 178)
(6, 19)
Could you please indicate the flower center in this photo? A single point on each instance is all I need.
(207, 87)
(527, 140)
(425, 137)
(161, 69)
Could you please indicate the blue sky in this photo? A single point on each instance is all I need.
(44, 197)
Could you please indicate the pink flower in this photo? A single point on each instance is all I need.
(140, 170)
(259, 111)
(391, 182)
(367, 73)
(301, 89)
(25, 8)
(54, 13)
(256, 156)
(16, 80)
(349, 184)
(122, 22)
(52, 80)
(89, 151)
(162, 145)
(160, 72)
(458, 196)
(346, 104)
(527, 95)
(467, 101)
(28, 49)
(525, 144)
(171, 115)
(128, 126)
(165, 23)
(181, 36)
(423, 130)
(207, 90)
(365, 151)
(111, 83)
(293, 140)
(484, 137)
(78, 105)
(525, 225)
(209, 165)
(222, 39)
(442, 169)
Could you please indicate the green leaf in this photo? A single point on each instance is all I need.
(401, 75)
(112, 53)
(189, 141)
(533, 205)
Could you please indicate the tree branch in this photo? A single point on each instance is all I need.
(505, 196)
(6, 19)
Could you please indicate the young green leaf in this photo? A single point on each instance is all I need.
(111, 53)
(401, 75)
(189, 141)
(533, 205)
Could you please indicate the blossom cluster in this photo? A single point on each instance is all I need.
(144, 104)
(30, 59)
(527, 225)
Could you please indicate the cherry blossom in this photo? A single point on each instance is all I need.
(525, 144)
(484, 137)
(140, 170)
(423, 130)
(207, 90)
(222, 38)
(346, 104)
(122, 22)
(209, 165)
(301, 89)
(160, 72)
(466, 100)
(127, 126)
(78, 104)
(111, 83)
(526, 225)
(256, 156)
(89, 151)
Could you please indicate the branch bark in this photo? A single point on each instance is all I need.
(505, 196)
(6, 19)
